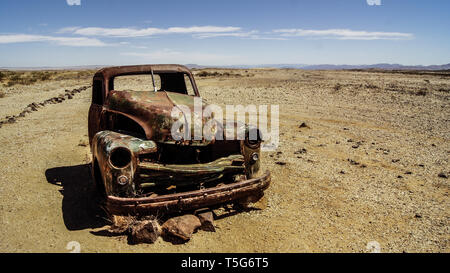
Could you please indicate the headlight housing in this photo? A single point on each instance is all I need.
(253, 138)
(120, 157)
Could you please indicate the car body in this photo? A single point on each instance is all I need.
(138, 165)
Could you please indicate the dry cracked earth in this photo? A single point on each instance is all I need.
(363, 156)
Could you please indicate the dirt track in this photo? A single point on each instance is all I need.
(365, 170)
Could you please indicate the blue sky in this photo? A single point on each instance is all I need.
(115, 32)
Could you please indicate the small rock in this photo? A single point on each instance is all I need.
(11, 120)
(418, 216)
(400, 177)
(281, 163)
(353, 162)
(408, 172)
(303, 125)
(146, 231)
(442, 175)
(301, 151)
(181, 227)
(82, 143)
(207, 220)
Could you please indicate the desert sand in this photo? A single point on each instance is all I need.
(370, 165)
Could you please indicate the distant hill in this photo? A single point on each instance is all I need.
(380, 66)
(337, 67)
(384, 66)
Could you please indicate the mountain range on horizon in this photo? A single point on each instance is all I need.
(383, 66)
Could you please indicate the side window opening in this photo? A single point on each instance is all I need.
(189, 87)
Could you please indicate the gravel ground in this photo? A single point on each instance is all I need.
(370, 165)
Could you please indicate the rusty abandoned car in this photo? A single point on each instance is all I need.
(139, 167)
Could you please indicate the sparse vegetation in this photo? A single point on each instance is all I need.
(444, 90)
(2, 94)
(337, 87)
(205, 73)
(371, 86)
(393, 133)
(11, 78)
(422, 92)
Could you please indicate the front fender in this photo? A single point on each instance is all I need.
(104, 144)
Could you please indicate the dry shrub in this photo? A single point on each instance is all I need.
(217, 74)
(337, 87)
(422, 92)
(371, 86)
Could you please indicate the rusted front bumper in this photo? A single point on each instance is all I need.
(188, 200)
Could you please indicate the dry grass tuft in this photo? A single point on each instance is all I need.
(337, 87)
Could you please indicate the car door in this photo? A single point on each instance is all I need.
(95, 110)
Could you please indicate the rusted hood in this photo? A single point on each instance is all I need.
(151, 110)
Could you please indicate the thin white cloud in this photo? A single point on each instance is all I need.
(252, 33)
(344, 34)
(374, 2)
(133, 32)
(67, 30)
(64, 41)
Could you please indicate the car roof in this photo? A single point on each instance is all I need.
(114, 71)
